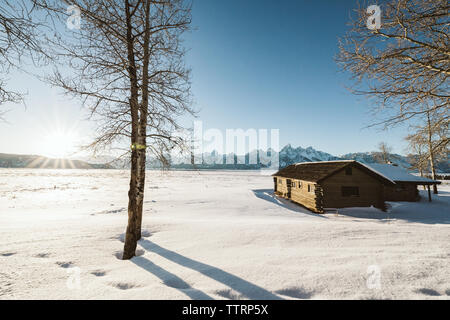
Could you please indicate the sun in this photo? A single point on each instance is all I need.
(60, 143)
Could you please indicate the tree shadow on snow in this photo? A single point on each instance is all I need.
(170, 279)
(243, 287)
(268, 195)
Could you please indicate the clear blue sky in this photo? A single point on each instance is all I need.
(256, 64)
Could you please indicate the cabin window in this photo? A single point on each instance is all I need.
(280, 181)
(350, 191)
(293, 184)
(299, 184)
(348, 171)
(310, 188)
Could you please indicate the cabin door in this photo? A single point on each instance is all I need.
(275, 183)
(288, 184)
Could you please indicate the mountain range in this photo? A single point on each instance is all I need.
(211, 160)
(289, 155)
(35, 161)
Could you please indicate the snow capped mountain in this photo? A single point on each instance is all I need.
(376, 157)
(290, 155)
(256, 159)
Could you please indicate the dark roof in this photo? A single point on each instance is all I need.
(318, 171)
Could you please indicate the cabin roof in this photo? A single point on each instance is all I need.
(399, 174)
(318, 171)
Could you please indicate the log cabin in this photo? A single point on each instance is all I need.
(331, 184)
(319, 186)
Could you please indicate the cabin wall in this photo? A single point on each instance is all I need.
(282, 187)
(299, 193)
(401, 192)
(371, 191)
(309, 199)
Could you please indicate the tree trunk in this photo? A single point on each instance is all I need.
(143, 123)
(431, 153)
(420, 167)
(421, 174)
(130, 244)
(140, 196)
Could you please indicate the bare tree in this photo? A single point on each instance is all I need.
(385, 151)
(430, 141)
(126, 64)
(405, 64)
(417, 149)
(19, 40)
(165, 86)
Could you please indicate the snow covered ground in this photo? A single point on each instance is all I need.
(211, 235)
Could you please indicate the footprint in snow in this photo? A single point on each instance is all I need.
(295, 292)
(65, 264)
(120, 210)
(229, 294)
(42, 255)
(7, 254)
(99, 273)
(428, 292)
(123, 285)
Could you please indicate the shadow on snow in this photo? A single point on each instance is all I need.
(435, 212)
(243, 287)
(268, 195)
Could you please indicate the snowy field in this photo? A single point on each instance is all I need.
(211, 235)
